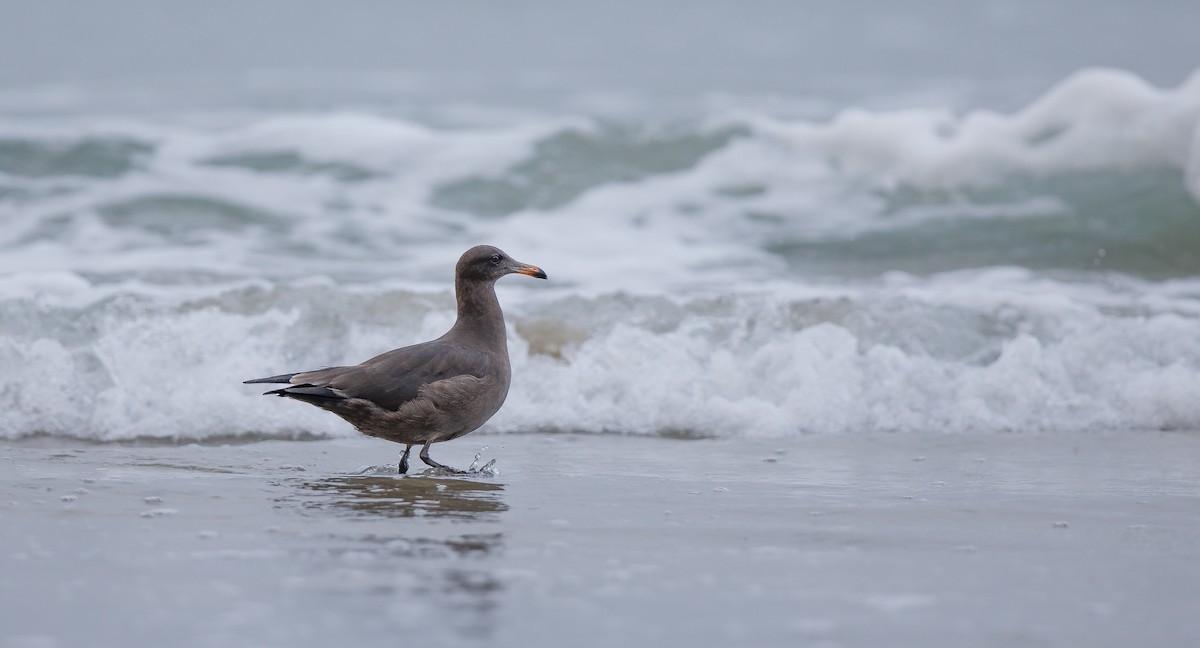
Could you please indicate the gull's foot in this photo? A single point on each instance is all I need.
(486, 471)
(446, 470)
(441, 466)
(404, 460)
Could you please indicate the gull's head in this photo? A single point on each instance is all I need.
(489, 263)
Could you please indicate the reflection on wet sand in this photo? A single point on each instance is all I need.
(441, 533)
(419, 496)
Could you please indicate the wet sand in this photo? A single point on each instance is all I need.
(896, 540)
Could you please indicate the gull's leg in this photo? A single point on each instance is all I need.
(433, 464)
(404, 459)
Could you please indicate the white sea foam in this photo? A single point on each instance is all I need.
(1095, 118)
(982, 351)
(745, 275)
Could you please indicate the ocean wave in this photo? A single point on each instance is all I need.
(988, 351)
(743, 274)
(1095, 118)
(1100, 173)
(99, 157)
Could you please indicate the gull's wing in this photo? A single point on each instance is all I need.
(388, 380)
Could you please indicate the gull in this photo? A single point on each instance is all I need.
(433, 391)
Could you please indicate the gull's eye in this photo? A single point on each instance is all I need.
(495, 258)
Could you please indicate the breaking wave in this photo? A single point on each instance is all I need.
(737, 275)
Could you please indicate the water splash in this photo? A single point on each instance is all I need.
(487, 470)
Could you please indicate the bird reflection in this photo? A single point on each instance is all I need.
(396, 497)
(443, 530)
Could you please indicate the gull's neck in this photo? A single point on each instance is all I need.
(479, 314)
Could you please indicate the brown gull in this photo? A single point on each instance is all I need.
(433, 391)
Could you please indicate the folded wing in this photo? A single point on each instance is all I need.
(388, 380)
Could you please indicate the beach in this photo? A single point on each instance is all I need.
(591, 540)
(866, 324)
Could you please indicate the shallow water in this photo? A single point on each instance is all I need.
(847, 540)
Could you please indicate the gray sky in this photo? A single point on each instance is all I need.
(684, 46)
(58, 39)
